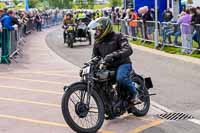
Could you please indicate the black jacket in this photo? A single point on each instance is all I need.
(196, 20)
(117, 46)
(167, 16)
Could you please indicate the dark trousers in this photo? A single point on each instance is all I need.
(39, 26)
(196, 36)
(123, 77)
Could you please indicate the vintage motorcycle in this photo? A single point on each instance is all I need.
(69, 35)
(97, 96)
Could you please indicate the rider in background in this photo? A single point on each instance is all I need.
(68, 19)
(116, 51)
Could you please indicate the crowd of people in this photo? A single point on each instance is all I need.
(133, 23)
(142, 23)
(23, 23)
(186, 25)
(10, 19)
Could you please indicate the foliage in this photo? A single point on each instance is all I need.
(33, 3)
(95, 6)
(16, 2)
(115, 3)
(61, 3)
(2, 5)
(86, 5)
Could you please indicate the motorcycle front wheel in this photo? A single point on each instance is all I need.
(70, 40)
(80, 116)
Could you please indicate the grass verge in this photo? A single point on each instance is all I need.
(167, 49)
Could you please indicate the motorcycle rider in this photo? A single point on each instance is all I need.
(115, 50)
(68, 19)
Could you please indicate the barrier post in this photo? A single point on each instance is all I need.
(156, 24)
(0, 44)
(5, 46)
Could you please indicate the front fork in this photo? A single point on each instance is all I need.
(87, 93)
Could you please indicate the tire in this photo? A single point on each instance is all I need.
(69, 120)
(90, 43)
(146, 99)
(71, 45)
(71, 40)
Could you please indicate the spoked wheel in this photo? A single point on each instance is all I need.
(80, 116)
(142, 108)
(70, 44)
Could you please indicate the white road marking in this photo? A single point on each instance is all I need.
(165, 109)
(160, 107)
(195, 121)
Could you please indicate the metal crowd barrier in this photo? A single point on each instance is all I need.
(145, 32)
(5, 47)
(30, 26)
(11, 42)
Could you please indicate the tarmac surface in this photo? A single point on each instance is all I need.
(31, 89)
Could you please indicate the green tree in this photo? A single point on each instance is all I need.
(115, 3)
(91, 3)
(33, 3)
(85, 4)
(2, 5)
(61, 3)
(16, 2)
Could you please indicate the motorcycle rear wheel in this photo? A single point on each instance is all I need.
(72, 122)
(143, 96)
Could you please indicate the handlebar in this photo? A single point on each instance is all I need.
(66, 26)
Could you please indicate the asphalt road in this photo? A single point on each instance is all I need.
(176, 82)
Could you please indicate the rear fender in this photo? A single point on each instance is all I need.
(147, 81)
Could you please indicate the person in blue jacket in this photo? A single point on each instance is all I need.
(7, 25)
(6, 20)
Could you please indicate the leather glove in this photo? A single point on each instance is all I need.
(108, 59)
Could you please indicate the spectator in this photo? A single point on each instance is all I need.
(186, 32)
(133, 23)
(167, 15)
(166, 29)
(25, 22)
(38, 21)
(196, 23)
(113, 15)
(177, 30)
(124, 27)
(148, 26)
(15, 20)
(7, 21)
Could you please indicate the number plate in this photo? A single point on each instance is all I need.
(148, 83)
(86, 70)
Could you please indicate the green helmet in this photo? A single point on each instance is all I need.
(104, 25)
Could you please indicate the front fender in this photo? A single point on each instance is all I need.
(76, 83)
